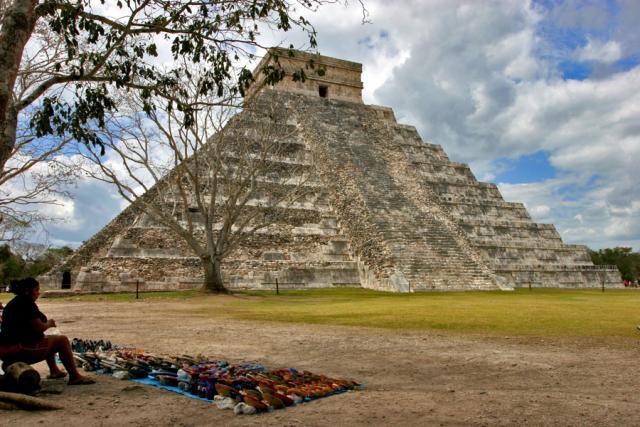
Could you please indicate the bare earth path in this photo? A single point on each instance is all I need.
(412, 378)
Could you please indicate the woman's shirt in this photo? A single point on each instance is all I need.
(17, 320)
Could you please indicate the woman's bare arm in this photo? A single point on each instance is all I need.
(41, 326)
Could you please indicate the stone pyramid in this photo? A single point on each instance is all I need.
(387, 211)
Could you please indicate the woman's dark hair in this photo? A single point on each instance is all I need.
(23, 286)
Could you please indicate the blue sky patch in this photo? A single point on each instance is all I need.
(564, 30)
(626, 64)
(533, 167)
(372, 42)
(574, 70)
(593, 181)
(570, 193)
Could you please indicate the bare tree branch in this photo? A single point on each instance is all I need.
(207, 182)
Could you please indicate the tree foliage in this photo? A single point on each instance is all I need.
(116, 43)
(36, 172)
(61, 62)
(627, 261)
(209, 184)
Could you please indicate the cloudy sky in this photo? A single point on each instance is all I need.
(541, 98)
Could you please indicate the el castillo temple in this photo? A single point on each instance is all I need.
(384, 210)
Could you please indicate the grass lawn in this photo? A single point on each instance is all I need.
(5, 297)
(540, 312)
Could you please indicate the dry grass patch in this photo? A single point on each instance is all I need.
(540, 312)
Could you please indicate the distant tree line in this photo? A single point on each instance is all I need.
(14, 266)
(627, 261)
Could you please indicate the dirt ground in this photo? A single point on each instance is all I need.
(412, 378)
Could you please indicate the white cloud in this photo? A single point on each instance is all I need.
(94, 204)
(475, 82)
(63, 211)
(540, 211)
(583, 212)
(598, 51)
(75, 213)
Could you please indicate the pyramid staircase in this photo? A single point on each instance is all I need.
(422, 249)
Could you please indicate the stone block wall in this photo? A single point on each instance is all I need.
(330, 78)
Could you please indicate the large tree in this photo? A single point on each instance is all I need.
(214, 183)
(37, 170)
(106, 44)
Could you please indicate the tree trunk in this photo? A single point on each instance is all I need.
(22, 401)
(24, 377)
(17, 26)
(213, 275)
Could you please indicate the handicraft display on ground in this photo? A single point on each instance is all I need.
(245, 388)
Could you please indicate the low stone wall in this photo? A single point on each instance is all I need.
(565, 277)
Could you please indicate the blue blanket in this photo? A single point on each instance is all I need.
(154, 383)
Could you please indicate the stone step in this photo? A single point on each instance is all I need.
(436, 264)
(497, 252)
(312, 184)
(341, 264)
(471, 212)
(499, 204)
(448, 275)
(542, 243)
(254, 143)
(552, 267)
(273, 159)
(450, 178)
(506, 233)
(320, 229)
(457, 190)
(495, 222)
(436, 163)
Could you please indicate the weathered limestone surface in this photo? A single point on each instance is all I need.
(383, 210)
(324, 76)
(402, 237)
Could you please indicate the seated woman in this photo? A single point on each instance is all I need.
(23, 327)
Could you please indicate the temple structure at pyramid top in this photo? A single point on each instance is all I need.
(384, 209)
(324, 77)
